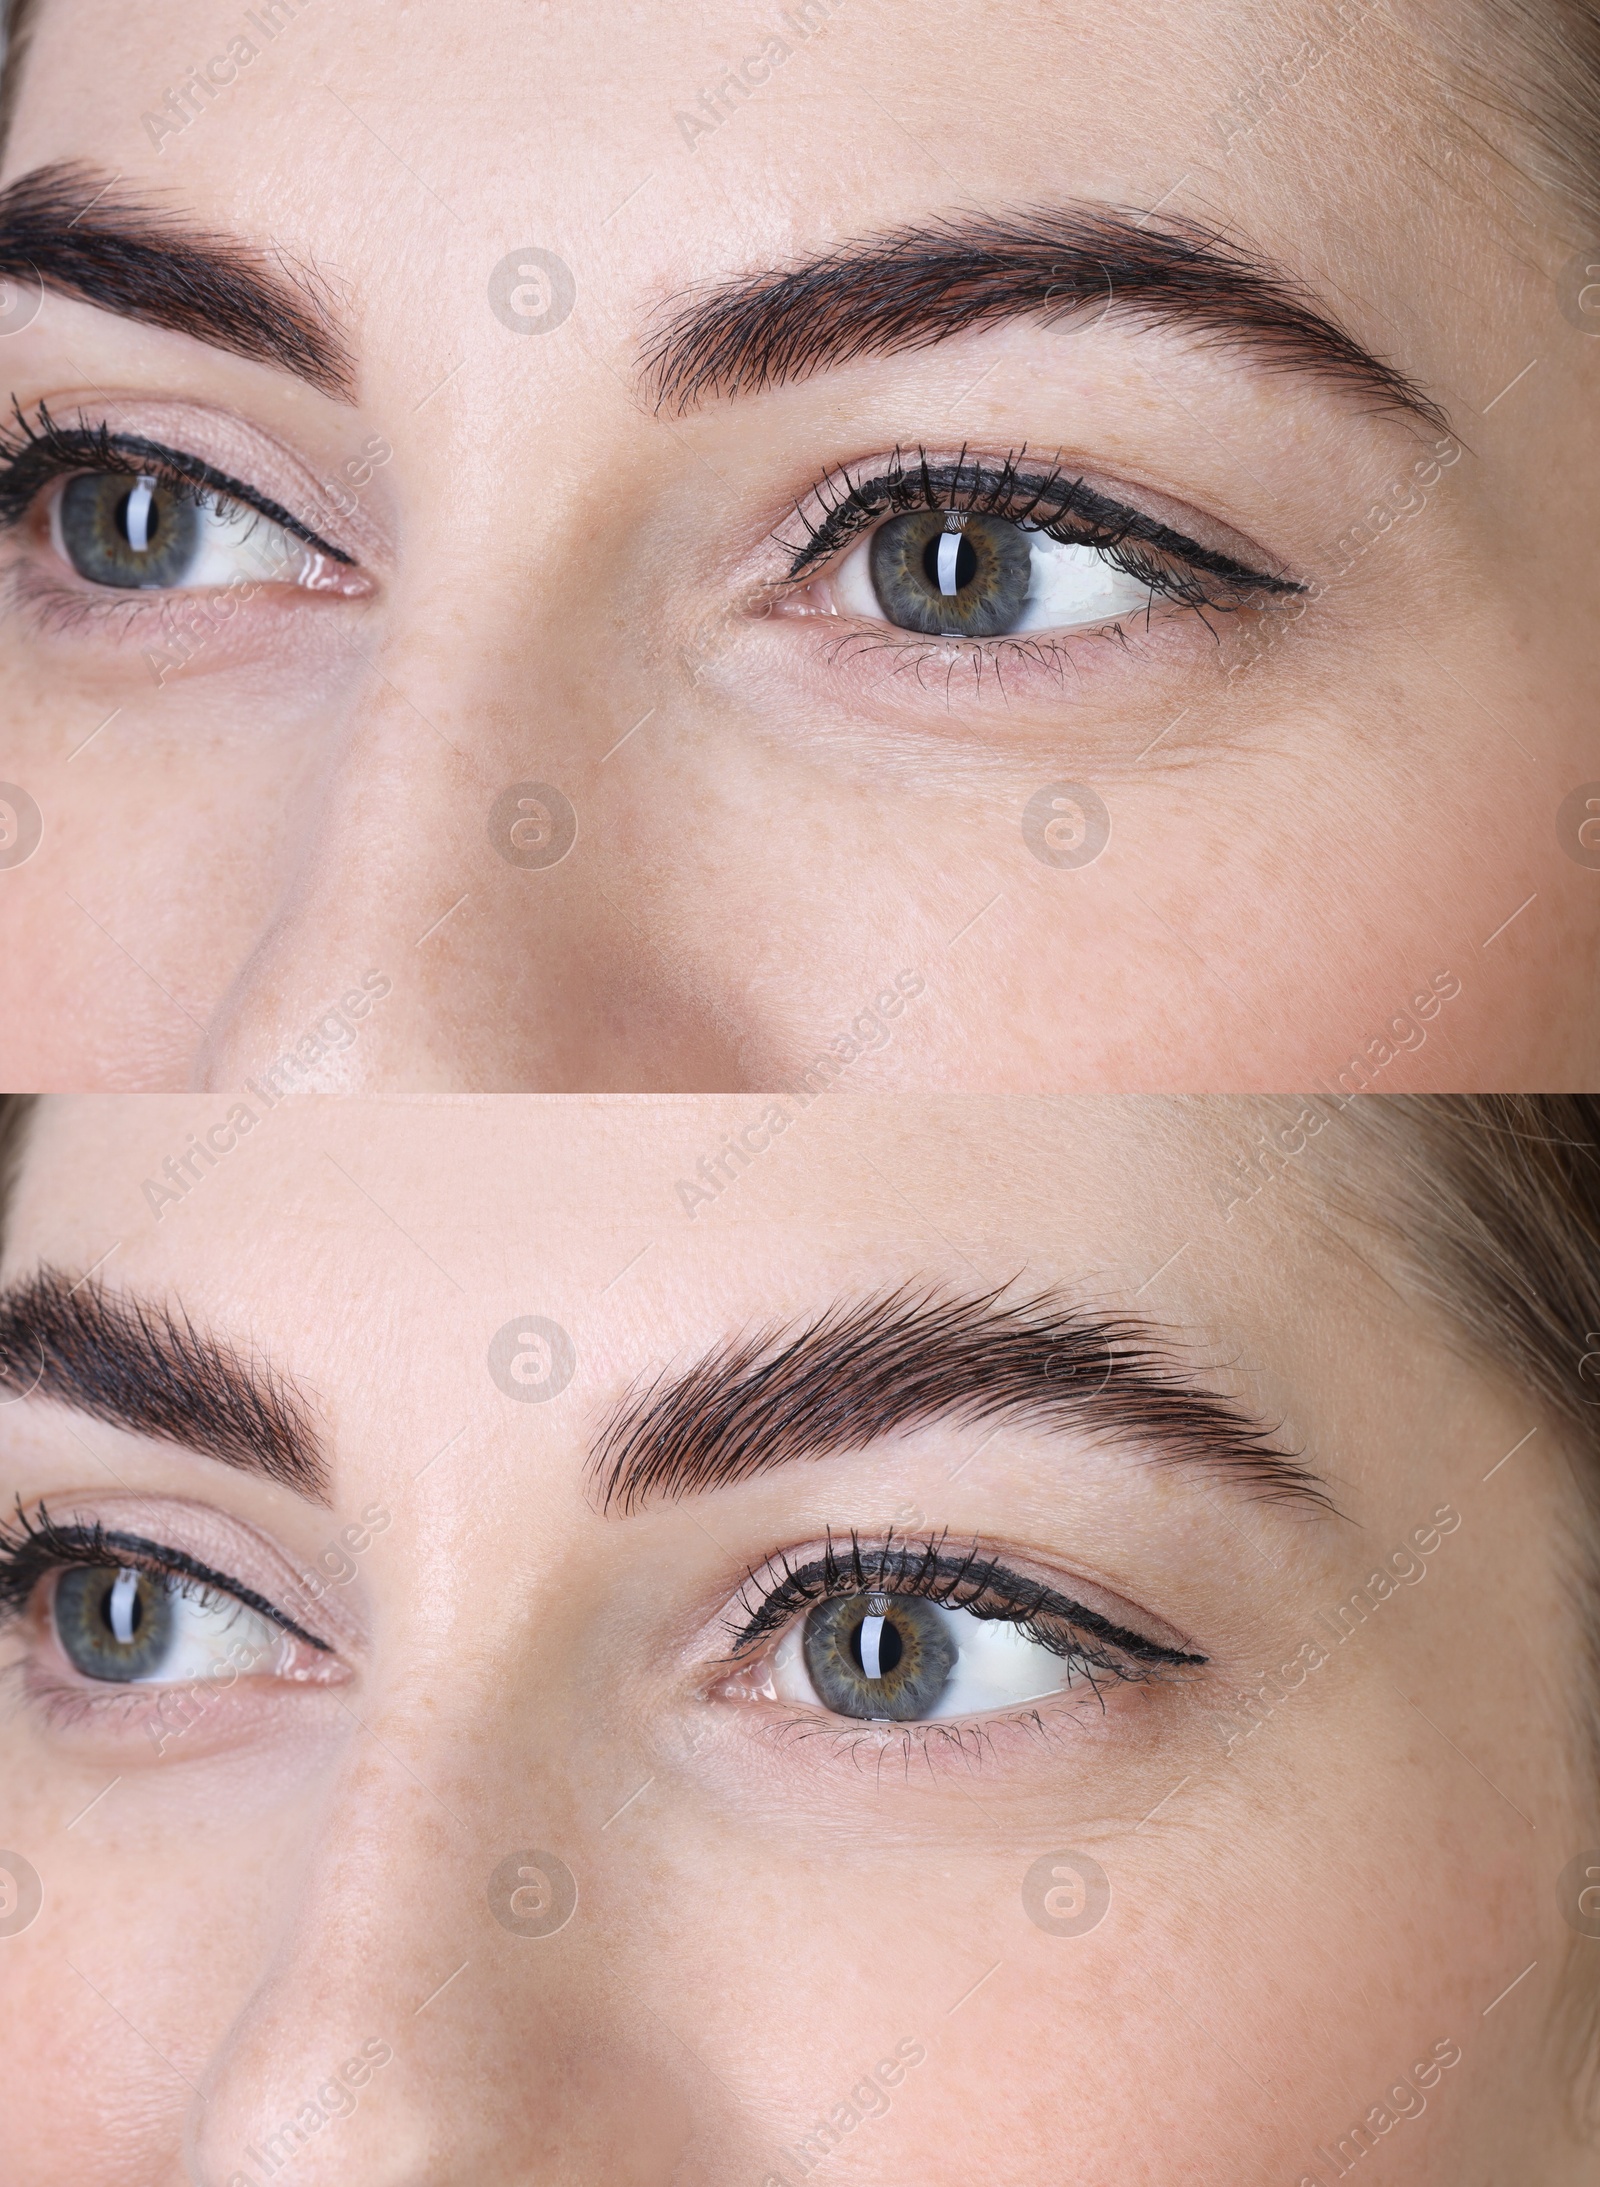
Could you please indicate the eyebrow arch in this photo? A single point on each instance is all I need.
(145, 1366)
(865, 1368)
(68, 224)
(908, 288)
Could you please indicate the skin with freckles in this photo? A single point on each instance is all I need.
(281, 1927)
(1332, 846)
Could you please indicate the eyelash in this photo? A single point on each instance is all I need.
(970, 1581)
(1054, 502)
(34, 1546)
(37, 454)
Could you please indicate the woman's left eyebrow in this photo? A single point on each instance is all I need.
(865, 1368)
(69, 227)
(880, 295)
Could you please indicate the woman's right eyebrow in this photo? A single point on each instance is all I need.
(69, 227)
(142, 1364)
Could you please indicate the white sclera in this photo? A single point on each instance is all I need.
(1069, 586)
(997, 1667)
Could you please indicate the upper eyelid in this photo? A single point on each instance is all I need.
(181, 1565)
(844, 520)
(1044, 1600)
(151, 1556)
(47, 453)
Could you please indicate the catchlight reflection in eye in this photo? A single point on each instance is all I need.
(137, 534)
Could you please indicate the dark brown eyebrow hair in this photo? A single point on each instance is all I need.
(145, 1366)
(911, 287)
(69, 224)
(864, 1368)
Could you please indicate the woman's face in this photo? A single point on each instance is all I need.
(1237, 736)
(442, 1822)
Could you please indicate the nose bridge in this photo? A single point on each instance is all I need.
(342, 983)
(405, 2033)
(447, 914)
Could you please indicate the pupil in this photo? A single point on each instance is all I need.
(966, 561)
(890, 1648)
(135, 1613)
(152, 520)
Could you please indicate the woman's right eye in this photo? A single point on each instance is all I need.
(137, 534)
(123, 1626)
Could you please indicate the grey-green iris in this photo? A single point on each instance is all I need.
(130, 532)
(970, 581)
(910, 1647)
(88, 1622)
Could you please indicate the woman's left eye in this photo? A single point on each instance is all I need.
(902, 1658)
(948, 574)
(125, 1626)
(137, 534)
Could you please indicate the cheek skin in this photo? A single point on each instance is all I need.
(1248, 1976)
(1244, 1983)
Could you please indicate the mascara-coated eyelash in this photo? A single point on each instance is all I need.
(41, 451)
(968, 1580)
(34, 1546)
(1050, 500)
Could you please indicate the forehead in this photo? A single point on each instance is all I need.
(377, 1251)
(652, 1214)
(1075, 1175)
(731, 135)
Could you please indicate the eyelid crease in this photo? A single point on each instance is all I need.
(30, 1549)
(1004, 489)
(53, 451)
(925, 1570)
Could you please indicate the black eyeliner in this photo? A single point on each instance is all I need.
(957, 1582)
(31, 1551)
(54, 451)
(1073, 510)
